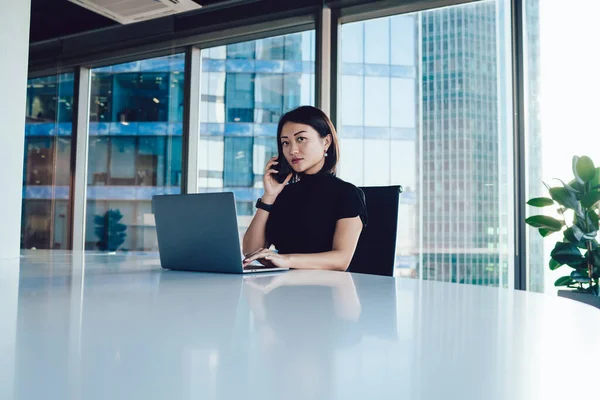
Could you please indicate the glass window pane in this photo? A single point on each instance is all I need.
(352, 162)
(403, 32)
(213, 97)
(46, 217)
(272, 48)
(377, 101)
(352, 43)
(241, 108)
(437, 120)
(244, 50)
(268, 98)
(377, 162)
(238, 162)
(352, 111)
(403, 107)
(561, 109)
(240, 89)
(377, 41)
(136, 114)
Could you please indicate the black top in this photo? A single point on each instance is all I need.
(305, 213)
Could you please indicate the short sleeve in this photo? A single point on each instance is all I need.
(352, 203)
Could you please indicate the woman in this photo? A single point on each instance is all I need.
(313, 218)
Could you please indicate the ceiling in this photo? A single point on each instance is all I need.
(51, 19)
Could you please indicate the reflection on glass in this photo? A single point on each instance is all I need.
(135, 150)
(245, 88)
(46, 217)
(425, 103)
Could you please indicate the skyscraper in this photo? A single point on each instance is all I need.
(461, 173)
(426, 103)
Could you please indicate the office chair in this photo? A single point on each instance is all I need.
(376, 250)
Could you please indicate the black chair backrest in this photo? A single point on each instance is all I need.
(376, 250)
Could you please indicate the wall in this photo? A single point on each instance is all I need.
(14, 44)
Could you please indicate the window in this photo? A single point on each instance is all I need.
(241, 103)
(560, 113)
(135, 150)
(388, 116)
(46, 216)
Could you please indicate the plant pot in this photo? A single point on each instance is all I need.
(586, 298)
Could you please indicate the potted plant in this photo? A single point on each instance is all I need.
(110, 230)
(577, 202)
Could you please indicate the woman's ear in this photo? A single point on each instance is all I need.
(327, 141)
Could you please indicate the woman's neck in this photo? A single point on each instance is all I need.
(315, 169)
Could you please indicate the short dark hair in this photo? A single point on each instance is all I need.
(321, 123)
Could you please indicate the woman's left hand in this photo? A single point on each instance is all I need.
(268, 257)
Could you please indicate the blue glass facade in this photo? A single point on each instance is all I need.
(135, 147)
(46, 218)
(245, 89)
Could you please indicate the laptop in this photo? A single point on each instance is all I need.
(199, 232)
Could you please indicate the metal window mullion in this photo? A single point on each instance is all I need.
(323, 60)
(191, 132)
(420, 69)
(335, 68)
(81, 134)
(517, 42)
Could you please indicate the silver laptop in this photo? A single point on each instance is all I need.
(199, 232)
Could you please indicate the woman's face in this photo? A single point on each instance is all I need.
(303, 148)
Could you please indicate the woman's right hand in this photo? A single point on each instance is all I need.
(272, 187)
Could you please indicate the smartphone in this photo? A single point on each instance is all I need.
(283, 169)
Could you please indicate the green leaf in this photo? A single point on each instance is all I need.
(573, 234)
(588, 225)
(564, 197)
(554, 264)
(566, 253)
(576, 185)
(540, 202)
(571, 239)
(595, 183)
(580, 277)
(568, 187)
(546, 232)
(590, 199)
(544, 221)
(564, 281)
(574, 168)
(577, 263)
(585, 168)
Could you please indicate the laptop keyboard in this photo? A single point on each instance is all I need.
(257, 265)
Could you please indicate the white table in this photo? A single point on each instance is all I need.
(119, 327)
